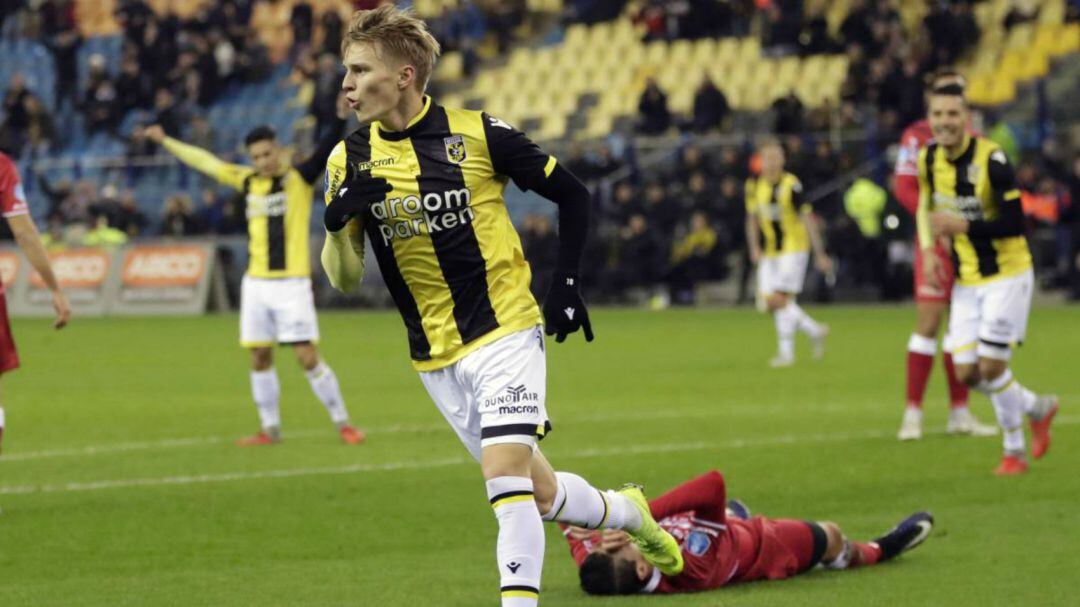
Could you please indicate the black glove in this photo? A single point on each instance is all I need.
(564, 310)
(355, 196)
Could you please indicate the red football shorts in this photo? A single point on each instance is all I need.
(926, 292)
(784, 547)
(9, 357)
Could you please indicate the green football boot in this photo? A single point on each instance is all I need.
(656, 545)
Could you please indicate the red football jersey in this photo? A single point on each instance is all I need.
(906, 184)
(12, 197)
(716, 550)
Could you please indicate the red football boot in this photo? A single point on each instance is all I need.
(1040, 432)
(261, 438)
(1011, 465)
(351, 436)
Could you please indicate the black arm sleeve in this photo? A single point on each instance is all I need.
(311, 168)
(513, 154)
(573, 198)
(1010, 219)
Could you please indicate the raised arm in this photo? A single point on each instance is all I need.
(705, 495)
(201, 160)
(311, 168)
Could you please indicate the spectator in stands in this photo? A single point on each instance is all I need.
(855, 28)
(640, 260)
(691, 160)
(253, 60)
(332, 28)
(177, 217)
(655, 117)
(134, 86)
(733, 163)
(62, 39)
(694, 257)
(814, 38)
(224, 54)
(302, 20)
(789, 114)
(782, 28)
(710, 107)
(133, 16)
(661, 211)
(54, 237)
(41, 130)
(325, 102)
(167, 113)
(57, 195)
(211, 215)
(129, 218)
(18, 121)
(625, 203)
(101, 234)
(100, 99)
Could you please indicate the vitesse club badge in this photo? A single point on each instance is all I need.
(455, 149)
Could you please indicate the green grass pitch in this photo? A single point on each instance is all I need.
(120, 485)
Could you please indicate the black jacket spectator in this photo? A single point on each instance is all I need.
(655, 117)
(710, 107)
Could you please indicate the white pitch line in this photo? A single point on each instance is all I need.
(172, 443)
(742, 443)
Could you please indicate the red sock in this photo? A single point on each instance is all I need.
(868, 554)
(958, 390)
(918, 374)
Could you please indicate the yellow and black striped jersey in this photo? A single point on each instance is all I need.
(447, 250)
(777, 207)
(980, 186)
(278, 209)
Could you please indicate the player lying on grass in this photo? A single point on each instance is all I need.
(722, 545)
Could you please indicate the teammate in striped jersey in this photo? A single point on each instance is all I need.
(424, 183)
(723, 546)
(968, 193)
(931, 302)
(277, 306)
(780, 231)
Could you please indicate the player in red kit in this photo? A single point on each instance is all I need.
(931, 302)
(15, 211)
(721, 548)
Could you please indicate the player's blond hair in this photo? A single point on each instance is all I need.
(400, 34)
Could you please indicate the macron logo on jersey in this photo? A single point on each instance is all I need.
(499, 123)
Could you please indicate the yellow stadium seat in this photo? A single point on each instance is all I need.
(749, 49)
(552, 127)
(978, 90)
(576, 36)
(1069, 41)
(599, 125)
(1052, 12)
(704, 51)
(726, 50)
(450, 67)
(1020, 36)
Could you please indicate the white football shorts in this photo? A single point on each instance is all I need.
(988, 320)
(782, 273)
(495, 395)
(277, 311)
